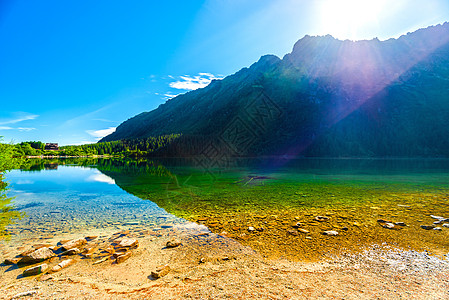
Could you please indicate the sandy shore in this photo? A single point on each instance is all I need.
(210, 266)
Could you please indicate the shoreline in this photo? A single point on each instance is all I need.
(207, 265)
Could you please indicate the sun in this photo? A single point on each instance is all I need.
(350, 19)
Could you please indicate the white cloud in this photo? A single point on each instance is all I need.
(21, 116)
(82, 143)
(98, 134)
(17, 128)
(168, 96)
(190, 83)
(26, 128)
(99, 177)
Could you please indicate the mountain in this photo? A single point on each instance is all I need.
(326, 98)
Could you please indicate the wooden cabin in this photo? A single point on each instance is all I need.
(52, 146)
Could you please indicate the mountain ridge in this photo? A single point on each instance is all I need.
(327, 90)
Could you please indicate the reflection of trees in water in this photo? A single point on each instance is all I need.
(7, 211)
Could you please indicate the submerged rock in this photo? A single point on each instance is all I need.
(35, 270)
(292, 232)
(73, 251)
(63, 264)
(77, 243)
(129, 243)
(173, 243)
(37, 256)
(160, 272)
(388, 225)
(321, 218)
(251, 229)
(427, 227)
(123, 257)
(12, 261)
(330, 232)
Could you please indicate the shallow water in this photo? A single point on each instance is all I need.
(68, 198)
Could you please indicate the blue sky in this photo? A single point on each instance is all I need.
(71, 71)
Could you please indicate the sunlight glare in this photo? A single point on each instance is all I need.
(350, 19)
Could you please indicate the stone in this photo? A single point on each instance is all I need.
(400, 224)
(35, 270)
(12, 261)
(25, 294)
(90, 237)
(25, 253)
(37, 256)
(321, 218)
(330, 232)
(129, 243)
(123, 257)
(437, 228)
(292, 232)
(63, 264)
(73, 251)
(77, 243)
(427, 227)
(251, 229)
(303, 230)
(445, 225)
(45, 277)
(388, 225)
(173, 243)
(160, 272)
(101, 260)
(297, 225)
(437, 217)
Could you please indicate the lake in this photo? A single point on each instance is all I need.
(280, 207)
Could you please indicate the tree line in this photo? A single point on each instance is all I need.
(127, 148)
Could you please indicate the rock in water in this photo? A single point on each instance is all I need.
(160, 272)
(388, 225)
(12, 261)
(173, 243)
(251, 229)
(73, 251)
(37, 256)
(35, 270)
(63, 264)
(427, 227)
(321, 218)
(123, 257)
(77, 243)
(127, 242)
(292, 232)
(330, 232)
